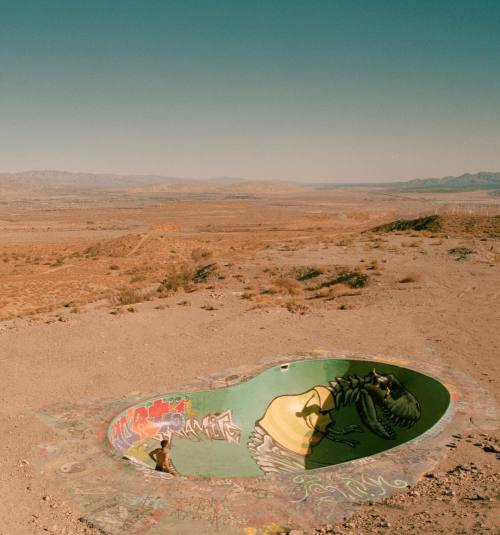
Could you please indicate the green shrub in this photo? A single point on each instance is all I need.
(430, 222)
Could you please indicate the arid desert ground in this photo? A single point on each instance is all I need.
(103, 293)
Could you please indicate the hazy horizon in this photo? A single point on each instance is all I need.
(235, 178)
(343, 92)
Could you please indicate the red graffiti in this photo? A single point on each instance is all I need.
(147, 421)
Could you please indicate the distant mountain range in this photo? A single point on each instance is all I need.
(63, 180)
(53, 182)
(468, 181)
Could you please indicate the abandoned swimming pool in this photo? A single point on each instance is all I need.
(303, 415)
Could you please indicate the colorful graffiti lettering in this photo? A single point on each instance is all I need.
(219, 426)
(146, 421)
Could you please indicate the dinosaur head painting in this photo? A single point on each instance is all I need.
(293, 425)
(381, 400)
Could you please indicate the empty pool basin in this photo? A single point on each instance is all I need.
(304, 415)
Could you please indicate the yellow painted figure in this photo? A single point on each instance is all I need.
(299, 422)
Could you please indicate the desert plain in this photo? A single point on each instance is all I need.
(105, 292)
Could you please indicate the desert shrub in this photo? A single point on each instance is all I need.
(177, 277)
(431, 223)
(345, 242)
(199, 254)
(128, 296)
(306, 273)
(353, 279)
(114, 267)
(295, 307)
(202, 273)
(269, 290)
(460, 253)
(93, 251)
(185, 276)
(287, 285)
(330, 293)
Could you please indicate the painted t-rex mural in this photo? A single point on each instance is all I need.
(293, 425)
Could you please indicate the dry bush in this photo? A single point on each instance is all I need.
(129, 296)
(295, 307)
(184, 276)
(203, 273)
(177, 277)
(200, 253)
(93, 251)
(114, 267)
(304, 273)
(343, 290)
(352, 278)
(460, 253)
(287, 285)
(262, 301)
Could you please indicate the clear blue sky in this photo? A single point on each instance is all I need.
(308, 90)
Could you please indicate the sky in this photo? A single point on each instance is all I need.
(310, 90)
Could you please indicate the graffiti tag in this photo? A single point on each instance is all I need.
(342, 488)
(146, 421)
(218, 426)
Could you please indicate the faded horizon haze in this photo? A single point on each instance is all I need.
(313, 91)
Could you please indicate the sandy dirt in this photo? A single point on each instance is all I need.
(82, 317)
